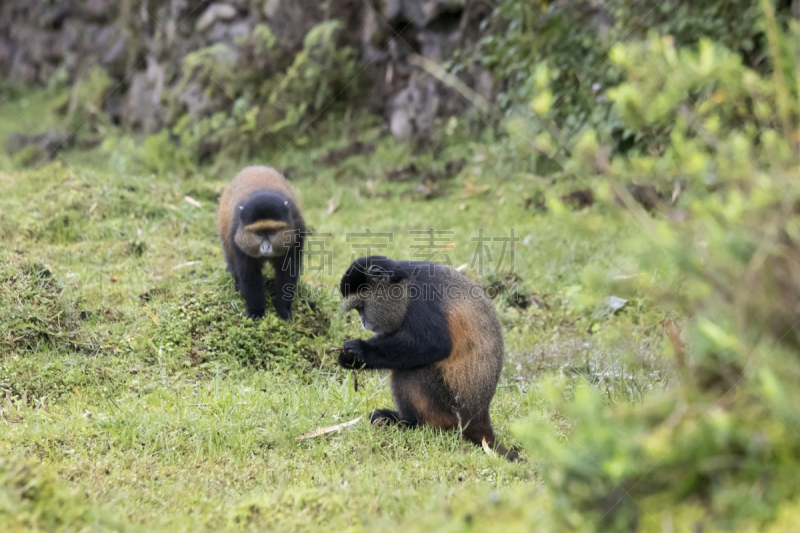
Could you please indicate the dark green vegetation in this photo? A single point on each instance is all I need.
(133, 388)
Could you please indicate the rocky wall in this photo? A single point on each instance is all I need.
(141, 44)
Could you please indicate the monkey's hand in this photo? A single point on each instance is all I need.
(349, 357)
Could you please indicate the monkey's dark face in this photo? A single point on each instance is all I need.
(378, 289)
(264, 229)
(264, 206)
(381, 306)
(362, 316)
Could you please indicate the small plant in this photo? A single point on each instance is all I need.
(84, 107)
(210, 326)
(34, 312)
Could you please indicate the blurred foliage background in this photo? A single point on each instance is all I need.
(703, 107)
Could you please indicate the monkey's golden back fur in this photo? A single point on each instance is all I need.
(473, 368)
(246, 182)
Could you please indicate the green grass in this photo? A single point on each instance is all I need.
(141, 390)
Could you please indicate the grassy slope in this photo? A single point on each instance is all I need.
(164, 438)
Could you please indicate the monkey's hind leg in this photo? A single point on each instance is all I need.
(287, 273)
(387, 416)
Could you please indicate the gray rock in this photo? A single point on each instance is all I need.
(55, 15)
(142, 109)
(433, 9)
(228, 33)
(21, 71)
(290, 20)
(48, 143)
(73, 31)
(400, 124)
(5, 53)
(137, 101)
(419, 12)
(239, 29)
(56, 47)
(35, 44)
(440, 43)
(413, 109)
(95, 10)
(371, 55)
(392, 10)
(113, 106)
(195, 99)
(177, 8)
(116, 52)
(611, 305)
(115, 58)
(241, 5)
(485, 85)
(104, 36)
(271, 8)
(218, 33)
(213, 13)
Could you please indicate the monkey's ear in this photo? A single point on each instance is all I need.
(378, 274)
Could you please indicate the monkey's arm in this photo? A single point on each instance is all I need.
(423, 340)
(251, 284)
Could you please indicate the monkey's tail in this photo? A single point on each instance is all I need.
(480, 433)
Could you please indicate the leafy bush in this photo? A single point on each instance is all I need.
(569, 44)
(315, 78)
(736, 25)
(719, 450)
(84, 106)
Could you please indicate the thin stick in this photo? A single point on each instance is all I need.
(329, 429)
